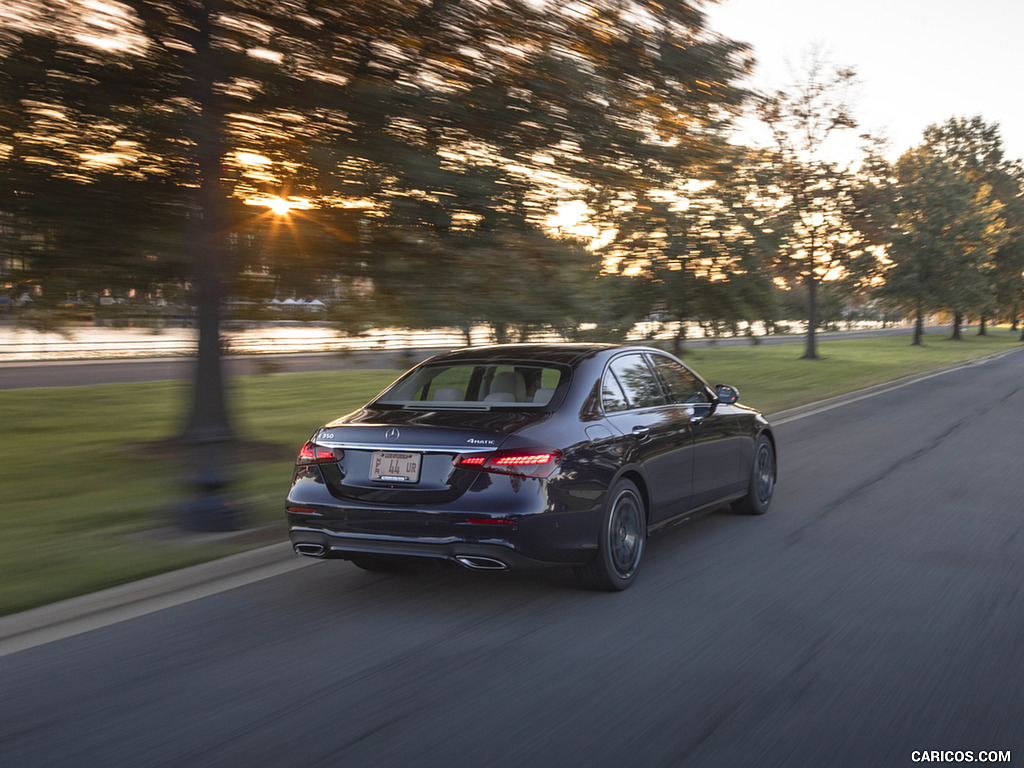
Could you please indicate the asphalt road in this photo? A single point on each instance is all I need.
(876, 611)
(70, 373)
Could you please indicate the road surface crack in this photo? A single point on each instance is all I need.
(896, 466)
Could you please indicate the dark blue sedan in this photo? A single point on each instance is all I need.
(526, 455)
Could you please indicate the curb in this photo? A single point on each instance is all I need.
(81, 614)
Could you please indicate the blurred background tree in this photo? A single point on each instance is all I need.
(70, 114)
(814, 198)
(947, 226)
(974, 150)
(517, 164)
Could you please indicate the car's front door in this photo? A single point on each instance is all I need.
(717, 433)
(658, 432)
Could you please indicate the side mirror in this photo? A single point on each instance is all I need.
(726, 395)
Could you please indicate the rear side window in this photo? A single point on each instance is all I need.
(630, 383)
(612, 397)
(454, 385)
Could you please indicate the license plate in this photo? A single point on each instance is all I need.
(395, 467)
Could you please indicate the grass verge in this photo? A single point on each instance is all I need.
(88, 482)
(772, 378)
(88, 485)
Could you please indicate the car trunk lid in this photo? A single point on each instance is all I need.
(407, 456)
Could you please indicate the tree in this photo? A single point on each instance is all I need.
(485, 115)
(947, 228)
(690, 241)
(814, 196)
(583, 114)
(974, 149)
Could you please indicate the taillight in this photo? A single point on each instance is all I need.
(311, 453)
(303, 511)
(537, 462)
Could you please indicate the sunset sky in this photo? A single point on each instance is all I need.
(920, 61)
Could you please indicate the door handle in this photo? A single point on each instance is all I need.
(641, 433)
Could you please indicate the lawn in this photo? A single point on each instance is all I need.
(90, 483)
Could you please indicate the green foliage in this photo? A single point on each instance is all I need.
(950, 225)
(975, 150)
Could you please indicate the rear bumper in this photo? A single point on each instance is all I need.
(321, 543)
(518, 522)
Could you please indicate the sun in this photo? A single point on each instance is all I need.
(279, 205)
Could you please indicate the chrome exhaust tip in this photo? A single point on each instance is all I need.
(478, 563)
(310, 550)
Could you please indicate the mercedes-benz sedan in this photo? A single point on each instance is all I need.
(524, 455)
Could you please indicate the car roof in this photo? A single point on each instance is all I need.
(564, 353)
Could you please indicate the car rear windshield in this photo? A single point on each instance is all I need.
(477, 385)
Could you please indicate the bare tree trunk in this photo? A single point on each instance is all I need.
(918, 327)
(958, 321)
(208, 428)
(679, 340)
(810, 345)
(982, 329)
(208, 419)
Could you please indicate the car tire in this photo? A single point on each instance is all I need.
(762, 480)
(621, 541)
(381, 563)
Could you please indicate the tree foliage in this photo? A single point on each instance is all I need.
(521, 164)
(450, 130)
(950, 223)
(974, 149)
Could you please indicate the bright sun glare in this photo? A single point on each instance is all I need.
(280, 205)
